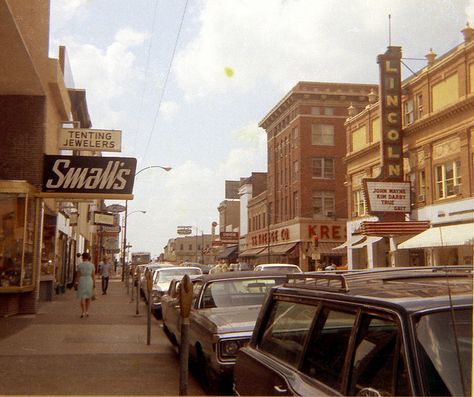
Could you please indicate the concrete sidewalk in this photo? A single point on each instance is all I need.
(55, 352)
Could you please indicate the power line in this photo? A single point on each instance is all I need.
(166, 81)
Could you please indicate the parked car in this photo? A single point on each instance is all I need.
(384, 332)
(151, 267)
(281, 267)
(162, 278)
(225, 308)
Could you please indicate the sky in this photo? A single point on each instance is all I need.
(188, 81)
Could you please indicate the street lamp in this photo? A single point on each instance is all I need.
(126, 213)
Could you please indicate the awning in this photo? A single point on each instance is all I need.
(251, 252)
(330, 249)
(281, 249)
(367, 241)
(442, 236)
(353, 240)
(228, 252)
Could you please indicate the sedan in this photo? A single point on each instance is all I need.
(161, 281)
(223, 314)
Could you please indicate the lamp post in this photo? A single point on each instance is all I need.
(126, 214)
(124, 250)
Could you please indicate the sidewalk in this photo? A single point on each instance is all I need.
(55, 352)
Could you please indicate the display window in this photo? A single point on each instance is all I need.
(17, 215)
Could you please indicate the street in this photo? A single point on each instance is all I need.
(55, 352)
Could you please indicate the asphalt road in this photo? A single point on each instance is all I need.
(55, 352)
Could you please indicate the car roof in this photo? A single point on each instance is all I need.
(277, 265)
(414, 288)
(242, 274)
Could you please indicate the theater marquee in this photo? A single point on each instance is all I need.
(385, 197)
(88, 177)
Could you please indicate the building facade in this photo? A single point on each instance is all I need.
(197, 249)
(302, 215)
(437, 114)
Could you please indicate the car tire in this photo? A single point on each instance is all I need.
(207, 380)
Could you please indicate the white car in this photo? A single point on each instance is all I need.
(283, 267)
(162, 279)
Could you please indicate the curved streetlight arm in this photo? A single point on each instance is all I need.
(154, 166)
(134, 212)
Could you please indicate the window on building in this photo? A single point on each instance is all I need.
(359, 138)
(295, 204)
(295, 169)
(190, 247)
(295, 136)
(329, 111)
(358, 203)
(421, 186)
(375, 130)
(324, 203)
(448, 179)
(199, 247)
(322, 134)
(419, 106)
(315, 110)
(181, 247)
(323, 167)
(408, 114)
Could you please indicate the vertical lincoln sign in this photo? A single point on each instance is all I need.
(390, 112)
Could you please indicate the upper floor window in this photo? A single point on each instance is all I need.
(324, 203)
(358, 203)
(329, 111)
(421, 185)
(323, 168)
(316, 110)
(295, 136)
(295, 169)
(295, 204)
(448, 179)
(419, 106)
(408, 114)
(322, 134)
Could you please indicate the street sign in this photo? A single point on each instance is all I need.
(103, 218)
(115, 208)
(184, 230)
(229, 236)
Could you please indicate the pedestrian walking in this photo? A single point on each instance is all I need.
(104, 269)
(85, 281)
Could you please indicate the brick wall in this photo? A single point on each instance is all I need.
(22, 129)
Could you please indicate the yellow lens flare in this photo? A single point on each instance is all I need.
(229, 72)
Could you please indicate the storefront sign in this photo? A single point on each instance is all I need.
(115, 208)
(229, 236)
(328, 231)
(90, 139)
(103, 218)
(387, 196)
(274, 236)
(112, 229)
(390, 112)
(89, 175)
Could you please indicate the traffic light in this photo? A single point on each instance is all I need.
(315, 241)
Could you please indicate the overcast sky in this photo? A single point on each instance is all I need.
(188, 81)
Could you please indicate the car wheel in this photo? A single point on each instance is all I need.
(208, 381)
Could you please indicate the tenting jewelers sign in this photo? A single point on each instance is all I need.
(88, 175)
(90, 139)
(387, 196)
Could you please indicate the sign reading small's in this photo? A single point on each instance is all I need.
(90, 139)
(88, 174)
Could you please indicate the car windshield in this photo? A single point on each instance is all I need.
(166, 275)
(282, 269)
(237, 292)
(445, 348)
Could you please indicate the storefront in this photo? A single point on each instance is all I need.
(20, 236)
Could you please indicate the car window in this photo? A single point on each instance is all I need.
(444, 344)
(379, 359)
(237, 292)
(286, 330)
(168, 275)
(328, 345)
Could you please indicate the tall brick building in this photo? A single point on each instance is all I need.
(306, 195)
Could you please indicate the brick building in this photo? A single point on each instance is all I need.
(437, 114)
(305, 195)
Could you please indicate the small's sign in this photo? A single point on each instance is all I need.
(90, 139)
(89, 175)
(103, 218)
(384, 196)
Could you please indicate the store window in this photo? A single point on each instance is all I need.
(324, 203)
(16, 240)
(448, 179)
(323, 168)
(322, 134)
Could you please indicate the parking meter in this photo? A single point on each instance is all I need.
(149, 287)
(185, 300)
